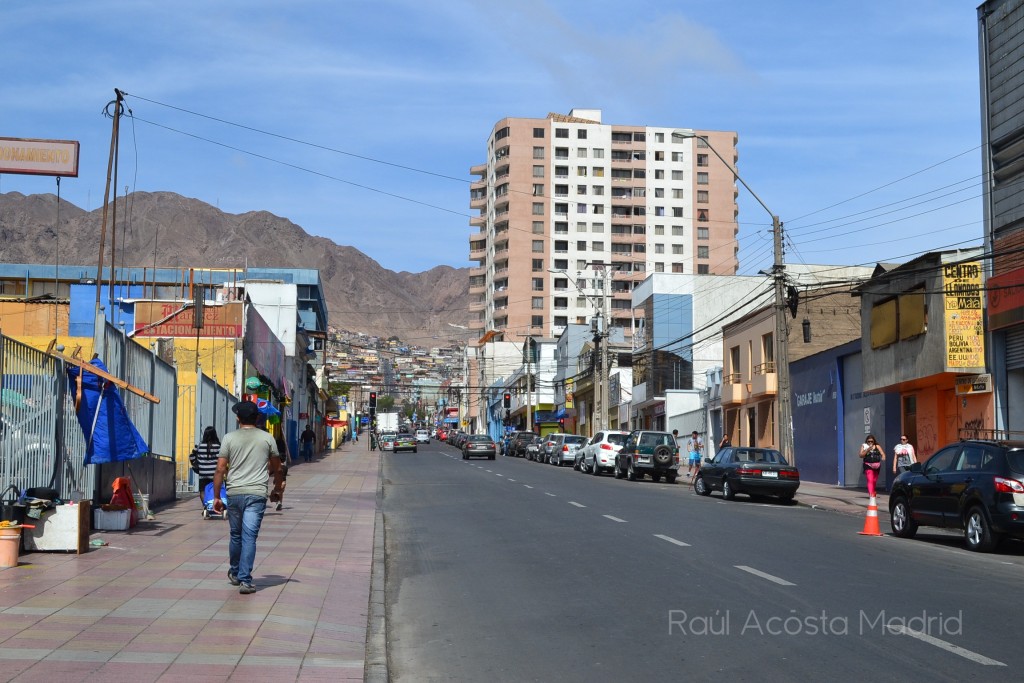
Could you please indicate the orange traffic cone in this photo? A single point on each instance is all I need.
(871, 521)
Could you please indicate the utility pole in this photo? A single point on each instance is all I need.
(528, 350)
(782, 347)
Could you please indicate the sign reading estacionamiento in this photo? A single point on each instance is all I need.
(26, 156)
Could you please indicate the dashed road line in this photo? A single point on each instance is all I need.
(672, 540)
(579, 505)
(763, 575)
(512, 480)
(614, 519)
(948, 647)
(550, 494)
(527, 486)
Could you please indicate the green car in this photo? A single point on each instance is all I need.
(405, 442)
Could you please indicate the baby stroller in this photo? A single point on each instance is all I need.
(208, 502)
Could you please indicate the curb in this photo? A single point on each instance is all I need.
(376, 665)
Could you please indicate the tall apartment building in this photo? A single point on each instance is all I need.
(569, 205)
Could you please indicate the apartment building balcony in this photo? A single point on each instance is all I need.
(477, 305)
(478, 254)
(478, 272)
(478, 202)
(733, 389)
(479, 169)
(765, 382)
(478, 221)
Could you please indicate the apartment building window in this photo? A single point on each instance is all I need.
(581, 133)
(581, 189)
(537, 302)
(677, 175)
(581, 226)
(639, 173)
(703, 234)
(561, 303)
(561, 263)
(598, 246)
(536, 321)
(538, 152)
(659, 174)
(678, 268)
(598, 208)
(702, 215)
(581, 171)
(561, 132)
(538, 284)
(538, 227)
(538, 171)
(538, 246)
(677, 249)
(561, 284)
(538, 190)
(599, 171)
(501, 134)
(677, 212)
(561, 209)
(561, 227)
(561, 320)
(581, 245)
(538, 132)
(659, 248)
(659, 267)
(561, 246)
(659, 155)
(702, 143)
(598, 153)
(538, 208)
(659, 229)
(659, 192)
(702, 178)
(703, 269)
(581, 207)
(581, 264)
(537, 264)
(659, 211)
(702, 196)
(677, 156)
(678, 231)
(597, 190)
(659, 137)
(702, 159)
(702, 252)
(677, 194)
(597, 227)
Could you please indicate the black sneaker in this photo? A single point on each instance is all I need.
(233, 580)
(246, 589)
(279, 507)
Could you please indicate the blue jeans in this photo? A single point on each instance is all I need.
(307, 450)
(245, 514)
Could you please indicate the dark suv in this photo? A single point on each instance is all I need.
(976, 486)
(647, 452)
(517, 444)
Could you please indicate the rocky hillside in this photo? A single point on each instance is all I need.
(187, 232)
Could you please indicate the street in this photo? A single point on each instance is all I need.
(513, 570)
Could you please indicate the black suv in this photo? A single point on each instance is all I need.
(517, 444)
(976, 486)
(647, 452)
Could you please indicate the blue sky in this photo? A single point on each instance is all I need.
(832, 100)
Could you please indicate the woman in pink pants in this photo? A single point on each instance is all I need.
(873, 456)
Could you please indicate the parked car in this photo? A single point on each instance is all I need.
(387, 441)
(648, 452)
(599, 453)
(754, 471)
(442, 434)
(547, 445)
(479, 445)
(404, 441)
(533, 447)
(564, 450)
(517, 444)
(422, 436)
(976, 486)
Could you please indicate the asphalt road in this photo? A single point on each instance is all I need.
(510, 570)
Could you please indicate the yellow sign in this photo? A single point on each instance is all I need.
(569, 386)
(965, 333)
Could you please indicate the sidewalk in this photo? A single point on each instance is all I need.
(156, 605)
(852, 501)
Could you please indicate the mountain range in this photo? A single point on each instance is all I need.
(172, 231)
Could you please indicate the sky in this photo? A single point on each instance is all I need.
(858, 122)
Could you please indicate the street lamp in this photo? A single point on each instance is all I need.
(781, 327)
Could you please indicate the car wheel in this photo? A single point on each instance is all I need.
(670, 477)
(656, 478)
(491, 457)
(787, 498)
(630, 471)
(977, 532)
(701, 486)
(595, 469)
(618, 470)
(576, 465)
(900, 520)
(727, 491)
(415, 450)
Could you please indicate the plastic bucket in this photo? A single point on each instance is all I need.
(10, 545)
(142, 503)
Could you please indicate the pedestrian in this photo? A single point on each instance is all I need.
(355, 435)
(248, 457)
(694, 447)
(873, 456)
(308, 438)
(204, 459)
(282, 449)
(905, 456)
(726, 442)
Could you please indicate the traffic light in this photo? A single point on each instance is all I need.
(561, 424)
(373, 400)
(506, 400)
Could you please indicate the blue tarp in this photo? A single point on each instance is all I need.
(110, 436)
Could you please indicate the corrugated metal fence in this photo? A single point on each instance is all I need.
(208, 404)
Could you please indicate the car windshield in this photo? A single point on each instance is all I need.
(617, 439)
(759, 455)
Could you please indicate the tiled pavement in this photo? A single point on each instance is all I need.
(155, 604)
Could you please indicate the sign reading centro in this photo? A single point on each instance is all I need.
(26, 156)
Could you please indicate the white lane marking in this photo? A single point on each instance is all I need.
(512, 480)
(527, 486)
(672, 540)
(579, 505)
(755, 572)
(550, 494)
(948, 647)
(614, 519)
(500, 475)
